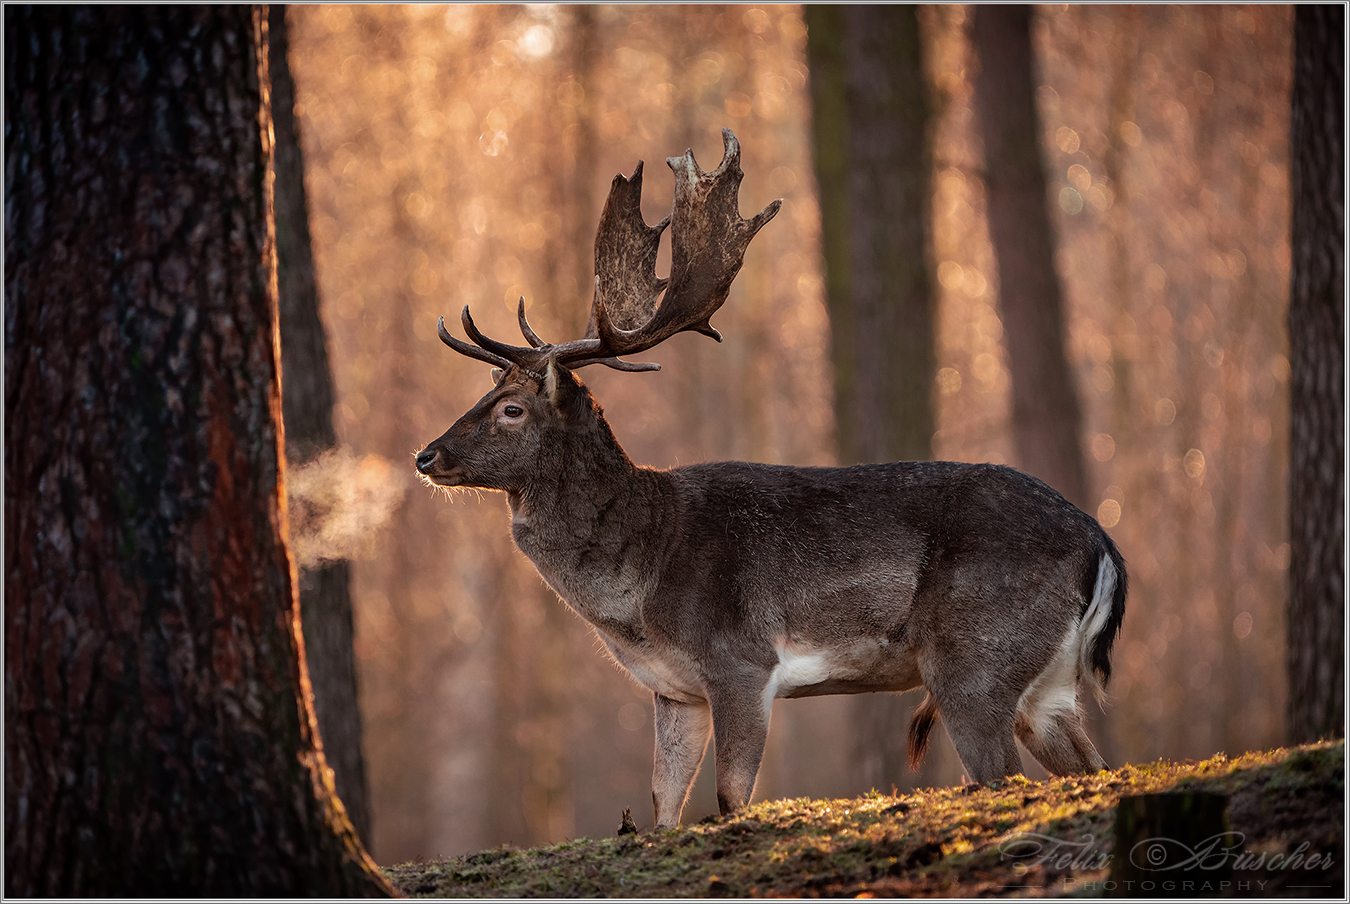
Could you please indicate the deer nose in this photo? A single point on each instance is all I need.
(425, 458)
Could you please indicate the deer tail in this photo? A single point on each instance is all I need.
(1101, 620)
(919, 728)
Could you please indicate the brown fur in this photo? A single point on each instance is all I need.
(925, 715)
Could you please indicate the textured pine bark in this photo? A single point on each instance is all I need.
(158, 737)
(1046, 418)
(307, 411)
(1317, 379)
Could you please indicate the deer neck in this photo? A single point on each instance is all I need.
(593, 524)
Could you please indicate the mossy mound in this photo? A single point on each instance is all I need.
(1018, 839)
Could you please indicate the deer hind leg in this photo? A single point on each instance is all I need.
(682, 731)
(982, 733)
(1060, 744)
(1049, 722)
(978, 707)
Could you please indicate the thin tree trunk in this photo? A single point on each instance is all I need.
(159, 740)
(307, 409)
(1317, 378)
(1046, 419)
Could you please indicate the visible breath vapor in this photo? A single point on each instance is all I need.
(339, 502)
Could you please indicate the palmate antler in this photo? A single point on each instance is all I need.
(708, 242)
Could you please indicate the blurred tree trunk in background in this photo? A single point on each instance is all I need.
(1046, 419)
(158, 738)
(871, 112)
(871, 107)
(1317, 378)
(307, 409)
(827, 61)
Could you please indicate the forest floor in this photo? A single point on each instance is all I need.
(1020, 839)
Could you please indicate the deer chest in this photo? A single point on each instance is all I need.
(666, 672)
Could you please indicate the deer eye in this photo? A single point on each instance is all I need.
(513, 411)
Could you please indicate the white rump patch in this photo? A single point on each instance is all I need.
(1055, 690)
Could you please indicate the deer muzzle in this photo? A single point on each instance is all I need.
(435, 465)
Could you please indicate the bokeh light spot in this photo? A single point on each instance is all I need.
(738, 105)
(1101, 197)
(1108, 513)
(950, 275)
(1195, 464)
(1067, 139)
(536, 42)
(949, 380)
(1070, 201)
(632, 716)
(530, 236)
(1103, 447)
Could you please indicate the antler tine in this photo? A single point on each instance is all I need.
(529, 334)
(465, 348)
(502, 355)
(708, 242)
(529, 358)
(512, 353)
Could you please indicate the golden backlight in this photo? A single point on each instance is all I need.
(460, 155)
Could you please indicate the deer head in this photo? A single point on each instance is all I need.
(504, 440)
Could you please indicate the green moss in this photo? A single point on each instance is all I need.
(944, 841)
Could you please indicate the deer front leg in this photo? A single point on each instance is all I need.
(682, 731)
(740, 725)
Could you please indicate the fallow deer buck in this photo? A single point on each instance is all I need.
(722, 586)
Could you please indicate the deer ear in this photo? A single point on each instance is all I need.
(554, 387)
(497, 375)
(561, 389)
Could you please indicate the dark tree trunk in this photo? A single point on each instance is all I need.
(307, 402)
(1046, 418)
(871, 112)
(890, 210)
(826, 62)
(307, 409)
(158, 738)
(1317, 378)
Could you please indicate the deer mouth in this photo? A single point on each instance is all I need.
(455, 477)
(433, 471)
